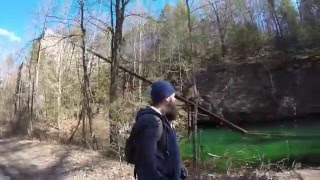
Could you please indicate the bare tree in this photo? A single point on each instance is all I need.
(219, 9)
(195, 115)
(271, 7)
(18, 91)
(61, 60)
(86, 102)
(33, 84)
(119, 7)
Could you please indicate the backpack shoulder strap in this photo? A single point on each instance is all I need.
(160, 130)
(162, 136)
(159, 120)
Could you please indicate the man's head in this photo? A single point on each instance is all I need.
(163, 95)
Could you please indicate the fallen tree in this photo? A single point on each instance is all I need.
(180, 98)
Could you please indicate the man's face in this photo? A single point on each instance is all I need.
(170, 108)
(172, 113)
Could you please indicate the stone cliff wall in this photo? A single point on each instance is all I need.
(254, 92)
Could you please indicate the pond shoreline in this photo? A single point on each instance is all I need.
(294, 121)
(298, 174)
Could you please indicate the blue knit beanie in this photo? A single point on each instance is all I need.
(161, 90)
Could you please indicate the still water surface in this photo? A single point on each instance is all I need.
(297, 143)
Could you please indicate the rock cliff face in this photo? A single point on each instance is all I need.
(265, 91)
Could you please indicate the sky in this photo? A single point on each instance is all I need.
(18, 17)
(15, 16)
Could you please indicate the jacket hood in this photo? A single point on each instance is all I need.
(146, 111)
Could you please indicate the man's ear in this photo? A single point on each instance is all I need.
(167, 99)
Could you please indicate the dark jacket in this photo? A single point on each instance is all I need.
(152, 161)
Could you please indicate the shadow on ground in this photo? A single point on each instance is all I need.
(23, 159)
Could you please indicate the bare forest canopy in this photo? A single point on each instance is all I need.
(62, 85)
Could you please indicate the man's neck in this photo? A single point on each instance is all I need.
(156, 109)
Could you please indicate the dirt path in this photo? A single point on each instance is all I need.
(25, 159)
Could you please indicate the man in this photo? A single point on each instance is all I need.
(157, 153)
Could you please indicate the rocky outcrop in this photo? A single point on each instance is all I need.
(262, 91)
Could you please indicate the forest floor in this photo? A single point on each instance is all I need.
(32, 159)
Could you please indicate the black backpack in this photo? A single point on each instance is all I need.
(130, 150)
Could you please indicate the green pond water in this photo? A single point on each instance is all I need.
(225, 148)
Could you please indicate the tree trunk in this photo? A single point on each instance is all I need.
(86, 105)
(275, 18)
(135, 57)
(195, 115)
(154, 53)
(59, 73)
(180, 68)
(220, 29)
(32, 83)
(116, 42)
(59, 102)
(140, 62)
(18, 91)
(114, 53)
(45, 101)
